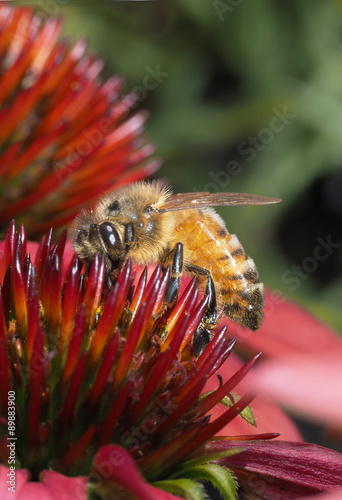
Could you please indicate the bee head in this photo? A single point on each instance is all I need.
(91, 237)
(122, 223)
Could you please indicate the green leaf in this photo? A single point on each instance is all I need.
(191, 490)
(246, 414)
(218, 476)
(182, 469)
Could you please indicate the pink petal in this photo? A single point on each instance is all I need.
(306, 375)
(335, 495)
(282, 470)
(63, 487)
(270, 418)
(305, 384)
(53, 486)
(21, 476)
(35, 491)
(287, 329)
(114, 469)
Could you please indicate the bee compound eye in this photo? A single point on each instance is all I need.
(109, 235)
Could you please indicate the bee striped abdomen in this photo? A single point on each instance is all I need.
(241, 292)
(210, 246)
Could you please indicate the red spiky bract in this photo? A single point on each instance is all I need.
(112, 312)
(91, 365)
(20, 299)
(69, 304)
(36, 378)
(104, 370)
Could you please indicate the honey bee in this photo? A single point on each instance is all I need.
(148, 223)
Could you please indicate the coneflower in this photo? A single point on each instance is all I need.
(100, 391)
(66, 136)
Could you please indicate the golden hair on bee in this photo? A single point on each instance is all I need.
(144, 221)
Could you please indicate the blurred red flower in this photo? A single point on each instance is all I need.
(66, 136)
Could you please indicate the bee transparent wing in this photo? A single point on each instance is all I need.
(184, 201)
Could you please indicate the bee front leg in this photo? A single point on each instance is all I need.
(175, 256)
(117, 264)
(113, 269)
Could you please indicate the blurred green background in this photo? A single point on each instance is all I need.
(244, 96)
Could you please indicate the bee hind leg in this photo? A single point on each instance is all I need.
(201, 340)
(210, 315)
(192, 269)
(202, 336)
